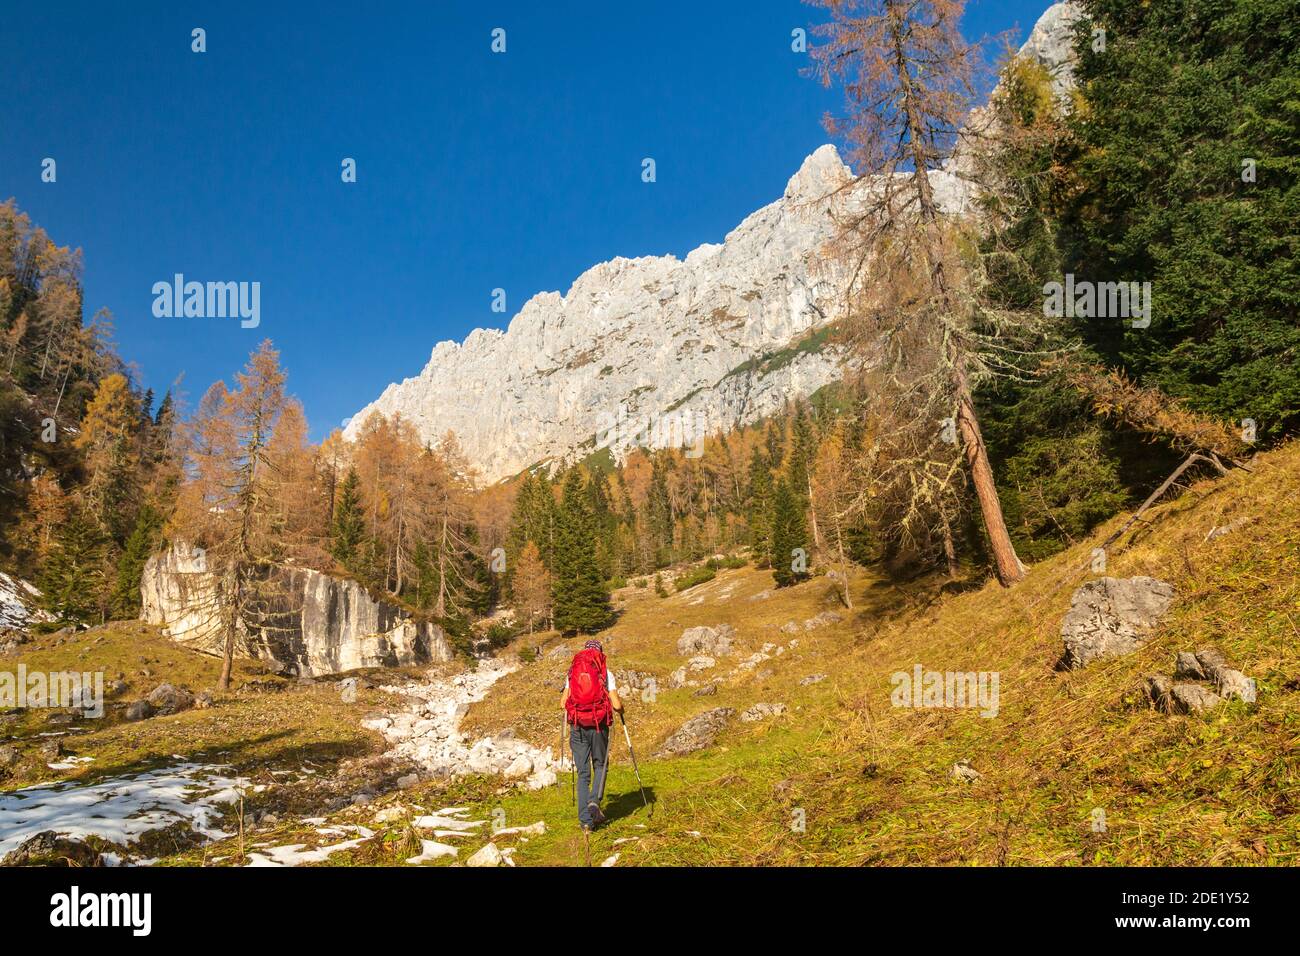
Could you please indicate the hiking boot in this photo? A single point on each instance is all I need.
(597, 817)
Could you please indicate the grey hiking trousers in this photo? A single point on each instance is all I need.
(590, 746)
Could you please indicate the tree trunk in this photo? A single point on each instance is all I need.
(1006, 563)
(949, 549)
(228, 657)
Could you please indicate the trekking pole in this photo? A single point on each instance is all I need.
(635, 769)
(559, 754)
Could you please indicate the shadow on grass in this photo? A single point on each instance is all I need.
(626, 804)
(243, 757)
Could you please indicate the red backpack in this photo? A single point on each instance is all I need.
(588, 703)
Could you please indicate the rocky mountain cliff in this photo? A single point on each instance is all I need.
(319, 625)
(657, 351)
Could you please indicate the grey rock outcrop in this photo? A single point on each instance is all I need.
(712, 641)
(697, 733)
(166, 699)
(318, 624)
(761, 712)
(1109, 617)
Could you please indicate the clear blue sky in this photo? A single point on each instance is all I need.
(475, 170)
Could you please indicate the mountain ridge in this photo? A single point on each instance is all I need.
(658, 351)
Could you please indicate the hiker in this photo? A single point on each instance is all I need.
(590, 703)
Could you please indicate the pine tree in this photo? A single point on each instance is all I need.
(760, 506)
(789, 550)
(140, 544)
(72, 580)
(349, 530)
(579, 594)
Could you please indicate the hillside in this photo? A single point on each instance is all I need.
(872, 783)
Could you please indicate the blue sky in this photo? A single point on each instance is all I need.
(476, 170)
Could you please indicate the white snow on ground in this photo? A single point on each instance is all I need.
(17, 598)
(122, 809)
(295, 854)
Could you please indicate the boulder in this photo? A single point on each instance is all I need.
(1109, 617)
(520, 767)
(139, 710)
(714, 641)
(490, 855)
(697, 733)
(1194, 698)
(761, 712)
(166, 699)
(1187, 667)
(49, 848)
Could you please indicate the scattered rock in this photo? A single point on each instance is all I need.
(1229, 528)
(715, 641)
(697, 733)
(51, 750)
(488, 856)
(391, 814)
(701, 662)
(1193, 698)
(812, 679)
(1228, 682)
(823, 619)
(166, 699)
(1187, 667)
(1109, 617)
(139, 710)
(791, 627)
(202, 700)
(409, 781)
(761, 712)
(1158, 691)
(677, 678)
(610, 860)
(963, 771)
(708, 690)
(49, 848)
(9, 756)
(520, 767)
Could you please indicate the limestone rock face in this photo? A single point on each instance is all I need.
(319, 624)
(658, 351)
